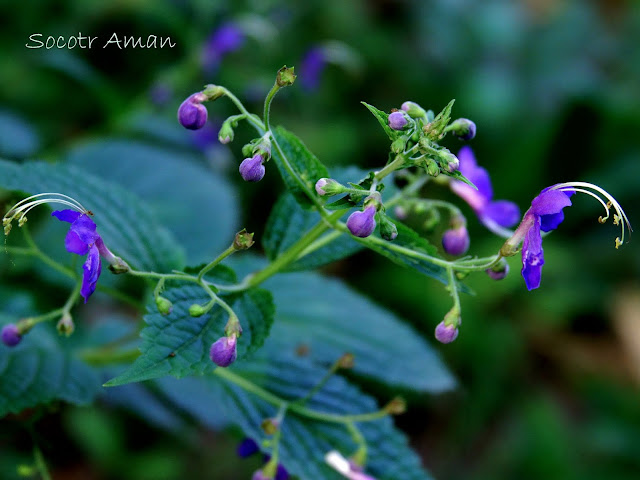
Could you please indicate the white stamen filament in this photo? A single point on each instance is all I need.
(20, 209)
(611, 202)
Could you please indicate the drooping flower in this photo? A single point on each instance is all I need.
(446, 333)
(456, 240)
(82, 239)
(11, 335)
(252, 169)
(545, 214)
(398, 120)
(226, 39)
(224, 351)
(362, 223)
(497, 215)
(192, 114)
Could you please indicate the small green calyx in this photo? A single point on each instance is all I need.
(118, 266)
(396, 406)
(285, 77)
(196, 310)
(164, 305)
(243, 240)
(65, 325)
(213, 92)
(270, 426)
(346, 361)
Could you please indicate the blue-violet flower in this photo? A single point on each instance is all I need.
(226, 39)
(398, 120)
(362, 223)
(192, 114)
(252, 169)
(224, 351)
(312, 65)
(10, 335)
(497, 215)
(456, 240)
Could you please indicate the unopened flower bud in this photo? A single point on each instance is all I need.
(65, 325)
(226, 133)
(498, 271)
(247, 447)
(362, 224)
(449, 161)
(196, 310)
(463, 128)
(165, 307)
(446, 333)
(243, 240)
(11, 335)
(224, 351)
(398, 120)
(432, 168)
(388, 229)
(397, 146)
(414, 110)
(213, 92)
(270, 426)
(286, 76)
(252, 169)
(396, 406)
(328, 186)
(456, 240)
(192, 114)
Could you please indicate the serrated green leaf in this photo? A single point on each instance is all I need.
(458, 176)
(383, 119)
(198, 206)
(329, 318)
(126, 226)
(40, 370)
(287, 224)
(304, 442)
(302, 161)
(17, 138)
(178, 344)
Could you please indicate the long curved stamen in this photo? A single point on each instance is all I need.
(20, 209)
(619, 218)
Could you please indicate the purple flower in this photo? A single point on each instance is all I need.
(498, 272)
(224, 351)
(544, 215)
(495, 215)
(247, 447)
(398, 120)
(456, 240)
(463, 128)
(226, 39)
(82, 239)
(311, 68)
(192, 114)
(10, 335)
(252, 169)
(446, 333)
(362, 224)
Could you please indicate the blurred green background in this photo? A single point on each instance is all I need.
(548, 379)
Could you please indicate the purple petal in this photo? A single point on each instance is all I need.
(66, 215)
(74, 244)
(85, 229)
(247, 447)
(550, 202)
(311, 69)
(502, 212)
(532, 256)
(477, 175)
(551, 222)
(92, 268)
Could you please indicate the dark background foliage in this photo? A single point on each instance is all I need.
(548, 379)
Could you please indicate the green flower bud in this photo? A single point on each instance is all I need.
(165, 307)
(388, 229)
(243, 240)
(213, 92)
(196, 310)
(226, 133)
(397, 146)
(65, 325)
(285, 77)
(414, 110)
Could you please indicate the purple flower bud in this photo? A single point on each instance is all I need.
(192, 114)
(499, 271)
(398, 120)
(10, 335)
(224, 351)
(252, 169)
(456, 240)
(320, 184)
(259, 475)
(414, 110)
(362, 224)
(446, 333)
(247, 447)
(463, 128)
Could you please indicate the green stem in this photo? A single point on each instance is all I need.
(44, 257)
(298, 409)
(215, 262)
(292, 253)
(453, 288)
(323, 381)
(267, 105)
(41, 465)
(250, 117)
(396, 164)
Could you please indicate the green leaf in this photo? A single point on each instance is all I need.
(40, 370)
(458, 176)
(383, 119)
(17, 138)
(306, 166)
(304, 442)
(329, 318)
(178, 344)
(287, 224)
(197, 205)
(124, 223)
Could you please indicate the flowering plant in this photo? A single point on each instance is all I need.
(263, 348)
